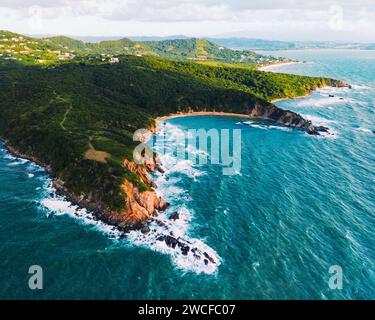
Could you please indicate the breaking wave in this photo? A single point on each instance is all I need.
(258, 125)
(164, 235)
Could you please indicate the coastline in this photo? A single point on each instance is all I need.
(155, 226)
(267, 68)
(99, 211)
(299, 97)
(157, 232)
(308, 94)
(202, 113)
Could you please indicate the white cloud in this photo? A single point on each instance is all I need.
(336, 21)
(262, 18)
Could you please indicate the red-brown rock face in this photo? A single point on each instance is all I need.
(141, 206)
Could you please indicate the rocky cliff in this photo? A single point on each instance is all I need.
(141, 206)
(284, 117)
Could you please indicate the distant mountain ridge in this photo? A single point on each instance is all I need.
(270, 45)
(73, 107)
(176, 49)
(78, 119)
(238, 43)
(49, 50)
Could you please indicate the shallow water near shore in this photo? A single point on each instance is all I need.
(299, 205)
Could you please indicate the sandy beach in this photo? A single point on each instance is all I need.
(270, 67)
(202, 113)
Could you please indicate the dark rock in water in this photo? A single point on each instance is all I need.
(171, 241)
(331, 96)
(164, 206)
(312, 130)
(160, 223)
(160, 238)
(373, 131)
(322, 129)
(184, 248)
(174, 216)
(208, 257)
(123, 226)
(205, 261)
(159, 168)
(194, 250)
(341, 98)
(122, 236)
(145, 230)
(342, 84)
(197, 256)
(350, 87)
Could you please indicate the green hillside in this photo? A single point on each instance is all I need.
(264, 85)
(60, 49)
(26, 50)
(57, 114)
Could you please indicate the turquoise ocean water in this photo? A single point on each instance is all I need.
(300, 205)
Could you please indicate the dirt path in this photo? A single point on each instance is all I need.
(65, 115)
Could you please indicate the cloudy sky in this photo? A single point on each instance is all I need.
(351, 20)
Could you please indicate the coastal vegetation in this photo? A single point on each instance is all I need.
(60, 48)
(78, 117)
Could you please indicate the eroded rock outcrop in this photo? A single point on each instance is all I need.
(284, 117)
(141, 206)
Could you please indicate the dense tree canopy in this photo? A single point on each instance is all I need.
(58, 113)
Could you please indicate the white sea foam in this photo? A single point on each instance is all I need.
(167, 153)
(193, 150)
(254, 124)
(16, 162)
(161, 226)
(361, 87)
(179, 230)
(258, 126)
(255, 265)
(320, 121)
(331, 134)
(280, 128)
(53, 204)
(8, 156)
(366, 130)
(167, 188)
(58, 205)
(33, 167)
(321, 101)
(333, 90)
(317, 120)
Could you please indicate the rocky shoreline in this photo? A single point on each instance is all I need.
(144, 226)
(98, 210)
(143, 208)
